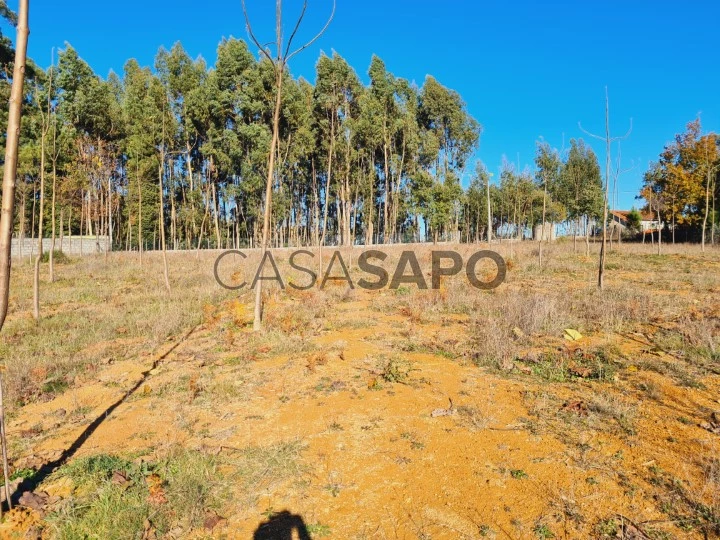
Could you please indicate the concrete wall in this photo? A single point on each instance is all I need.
(550, 232)
(71, 245)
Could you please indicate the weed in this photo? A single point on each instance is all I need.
(395, 371)
(543, 532)
(318, 530)
(607, 528)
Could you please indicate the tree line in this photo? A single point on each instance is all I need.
(681, 187)
(181, 151)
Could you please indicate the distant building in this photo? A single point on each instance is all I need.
(620, 219)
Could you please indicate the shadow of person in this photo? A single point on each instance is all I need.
(281, 526)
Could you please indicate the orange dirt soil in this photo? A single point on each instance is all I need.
(448, 450)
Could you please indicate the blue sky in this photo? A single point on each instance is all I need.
(526, 69)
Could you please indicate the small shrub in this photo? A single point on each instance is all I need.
(59, 257)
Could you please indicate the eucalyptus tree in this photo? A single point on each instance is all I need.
(477, 202)
(298, 146)
(337, 94)
(450, 136)
(382, 98)
(404, 161)
(183, 78)
(92, 113)
(548, 163)
(580, 189)
(337, 89)
(140, 114)
(368, 137)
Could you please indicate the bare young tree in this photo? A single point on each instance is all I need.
(8, 194)
(45, 129)
(489, 213)
(54, 158)
(710, 171)
(608, 142)
(283, 54)
(619, 171)
(656, 203)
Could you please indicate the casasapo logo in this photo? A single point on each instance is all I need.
(407, 271)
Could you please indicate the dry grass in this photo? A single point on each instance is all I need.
(95, 310)
(650, 341)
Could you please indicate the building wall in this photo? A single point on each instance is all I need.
(648, 225)
(550, 232)
(71, 245)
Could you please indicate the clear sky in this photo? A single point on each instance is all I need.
(526, 69)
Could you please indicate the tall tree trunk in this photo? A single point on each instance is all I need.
(542, 224)
(8, 195)
(489, 213)
(108, 247)
(62, 227)
(707, 203)
(204, 219)
(587, 236)
(218, 240)
(38, 258)
(673, 228)
(161, 223)
(576, 227)
(82, 214)
(328, 177)
(11, 157)
(140, 227)
(52, 217)
(714, 217)
(22, 224)
(387, 195)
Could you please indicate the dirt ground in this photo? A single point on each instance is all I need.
(455, 413)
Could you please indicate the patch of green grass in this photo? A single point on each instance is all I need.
(607, 528)
(543, 532)
(402, 291)
(318, 530)
(597, 364)
(27, 474)
(114, 496)
(59, 257)
(55, 386)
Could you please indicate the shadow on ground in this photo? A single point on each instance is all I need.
(281, 526)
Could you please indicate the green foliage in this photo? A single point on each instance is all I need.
(580, 186)
(684, 180)
(375, 162)
(115, 496)
(59, 257)
(634, 220)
